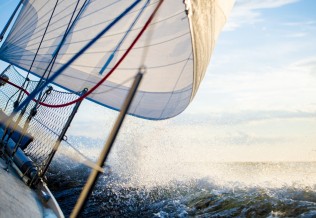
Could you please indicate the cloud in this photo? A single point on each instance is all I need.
(248, 11)
(310, 24)
(297, 35)
(259, 85)
(246, 139)
(308, 64)
(241, 117)
(299, 29)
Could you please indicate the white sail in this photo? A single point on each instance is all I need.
(175, 49)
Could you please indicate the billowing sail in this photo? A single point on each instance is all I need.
(175, 49)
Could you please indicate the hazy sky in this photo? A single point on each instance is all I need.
(260, 87)
(257, 101)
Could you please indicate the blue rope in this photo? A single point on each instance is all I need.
(27, 35)
(123, 39)
(21, 94)
(61, 69)
(68, 29)
(52, 62)
(26, 25)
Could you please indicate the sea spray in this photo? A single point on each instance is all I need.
(148, 176)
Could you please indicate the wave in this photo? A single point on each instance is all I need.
(229, 190)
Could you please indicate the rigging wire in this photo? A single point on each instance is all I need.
(31, 96)
(107, 63)
(106, 36)
(56, 52)
(39, 46)
(58, 72)
(82, 158)
(69, 27)
(86, 15)
(88, 162)
(20, 96)
(21, 93)
(29, 33)
(26, 24)
(10, 20)
(101, 52)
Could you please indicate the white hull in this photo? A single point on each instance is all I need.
(18, 200)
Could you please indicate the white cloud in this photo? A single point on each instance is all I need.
(242, 117)
(309, 23)
(278, 88)
(309, 64)
(247, 11)
(297, 35)
(263, 4)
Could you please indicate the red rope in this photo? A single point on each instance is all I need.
(16, 86)
(106, 76)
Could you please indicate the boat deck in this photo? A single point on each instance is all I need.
(17, 199)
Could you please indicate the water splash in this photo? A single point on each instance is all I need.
(264, 189)
(150, 176)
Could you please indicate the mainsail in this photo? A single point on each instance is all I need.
(175, 49)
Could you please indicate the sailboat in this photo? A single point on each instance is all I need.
(143, 58)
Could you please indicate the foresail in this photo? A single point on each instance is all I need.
(175, 49)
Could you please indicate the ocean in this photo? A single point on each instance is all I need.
(196, 189)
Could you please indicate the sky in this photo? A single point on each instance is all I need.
(257, 101)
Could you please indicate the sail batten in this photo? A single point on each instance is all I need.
(177, 49)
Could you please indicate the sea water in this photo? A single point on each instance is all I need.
(138, 185)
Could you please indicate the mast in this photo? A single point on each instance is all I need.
(87, 189)
(10, 20)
